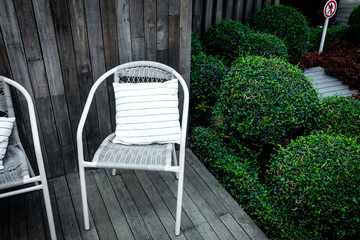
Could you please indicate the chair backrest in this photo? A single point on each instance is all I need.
(7, 110)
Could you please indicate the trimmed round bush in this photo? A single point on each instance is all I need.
(263, 44)
(354, 24)
(196, 46)
(285, 22)
(223, 39)
(340, 115)
(207, 73)
(316, 185)
(265, 100)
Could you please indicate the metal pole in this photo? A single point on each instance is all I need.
(323, 35)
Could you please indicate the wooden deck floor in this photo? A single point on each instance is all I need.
(131, 205)
(326, 85)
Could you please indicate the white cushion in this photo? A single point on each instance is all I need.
(6, 126)
(147, 113)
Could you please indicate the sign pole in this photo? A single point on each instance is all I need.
(323, 35)
(329, 11)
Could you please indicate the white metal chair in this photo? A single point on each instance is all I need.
(155, 157)
(17, 175)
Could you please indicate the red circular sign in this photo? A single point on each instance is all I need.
(330, 8)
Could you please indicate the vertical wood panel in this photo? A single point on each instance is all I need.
(162, 25)
(104, 96)
(150, 29)
(123, 29)
(174, 34)
(219, 11)
(47, 38)
(197, 15)
(65, 45)
(137, 29)
(209, 8)
(229, 9)
(239, 9)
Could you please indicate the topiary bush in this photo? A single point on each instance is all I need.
(266, 101)
(223, 39)
(315, 180)
(354, 24)
(285, 22)
(340, 115)
(263, 44)
(207, 73)
(196, 46)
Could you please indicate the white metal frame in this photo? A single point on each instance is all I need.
(40, 180)
(179, 166)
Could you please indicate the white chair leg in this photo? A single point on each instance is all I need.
(176, 163)
(84, 197)
(179, 203)
(49, 212)
(113, 172)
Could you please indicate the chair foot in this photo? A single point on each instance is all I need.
(113, 172)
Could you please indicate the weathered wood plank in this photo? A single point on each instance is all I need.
(209, 9)
(47, 39)
(130, 210)
(239, 9)
(137, 29)
(249, 5)
(35, 223)
(162, 27)
(65, 45)
(102, 220)
(144, 206)
(4, 218)
(17, 214)
(150, 29)
(197, 16)
(229, 9)
(116, 214)
(104, 96)
(69, 223)
(39, 82)
(5, 65)
(174, 38)
(185, 39)
(219, 11)
(123, 30)
(57, 220)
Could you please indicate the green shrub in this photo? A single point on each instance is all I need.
(354, 24)
(207, 73)
(333, 34)
(316, 183)
(285, 22)
(266, 101)
(340, 115)
(223, 39)
(196, 46)
(263, 44)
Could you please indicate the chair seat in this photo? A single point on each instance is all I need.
(125, 156)
(15, 168)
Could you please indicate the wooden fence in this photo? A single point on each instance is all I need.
(208, 12)
(57, 48)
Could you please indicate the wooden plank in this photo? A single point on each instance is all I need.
(4, 218)
(197, 16)
(209, 9)
(158, 204)
(234, 227)
(13, 42)
(239, 9)
(170, 199)
(35, 223)
(102, 220)
(229, 9)
(5, 65)
(73, 181)
(113, 207)
(144, 206)
(174, 37)
(65, 45)
(69, 223)
(57, 220)
(37, 73)
(130, 210)
(185, 39)
(150, 29)
(137, 29)
(234, 209)
(249, 5)
(123, 30)
(162, 30)
(47, 38)
(257, 5)
(17, 214)
(219, 11)
(190, 208)
(104, 96)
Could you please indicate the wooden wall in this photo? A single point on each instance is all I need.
(57, 48)
(208, 12)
